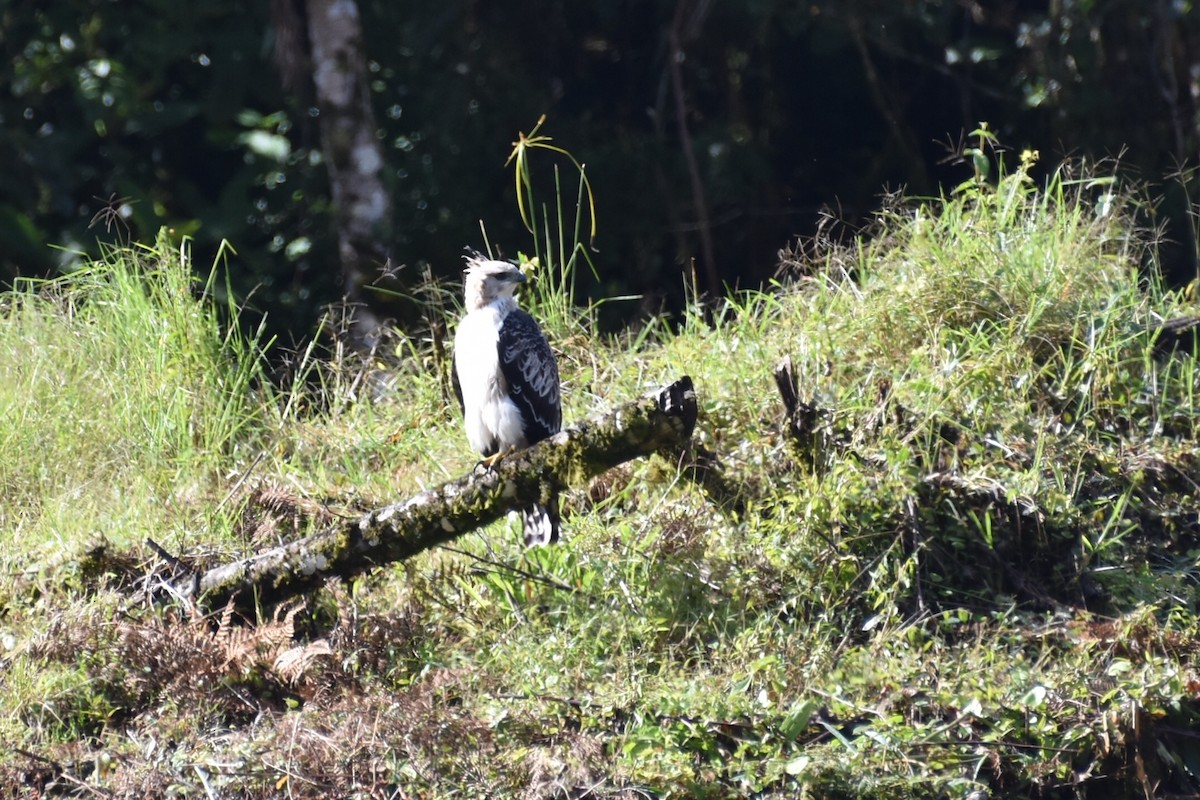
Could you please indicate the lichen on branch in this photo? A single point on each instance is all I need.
(660, 422)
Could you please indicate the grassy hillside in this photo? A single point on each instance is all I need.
(969, 569)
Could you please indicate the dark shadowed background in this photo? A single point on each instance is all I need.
(713, 131)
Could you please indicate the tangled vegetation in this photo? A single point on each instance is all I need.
(966, 565)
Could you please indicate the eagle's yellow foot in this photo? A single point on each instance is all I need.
(488, 462)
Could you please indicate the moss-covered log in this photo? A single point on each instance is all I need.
(662, 421)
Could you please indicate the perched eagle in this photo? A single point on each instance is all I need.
(505, 376)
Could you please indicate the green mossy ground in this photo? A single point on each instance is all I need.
(976, 572)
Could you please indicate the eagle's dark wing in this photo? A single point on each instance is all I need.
(528, 366)
(456, 383)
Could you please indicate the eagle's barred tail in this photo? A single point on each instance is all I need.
(541, 524)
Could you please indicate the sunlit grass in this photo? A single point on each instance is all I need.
(118, 390)
(983, 580)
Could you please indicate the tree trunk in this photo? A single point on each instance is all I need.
(353, 156)
(675, 39)
(661, 422)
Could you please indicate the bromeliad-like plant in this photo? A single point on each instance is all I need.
(556, 250)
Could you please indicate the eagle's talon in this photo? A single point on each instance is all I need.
(489, 463)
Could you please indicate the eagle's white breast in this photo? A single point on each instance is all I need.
(493, 421)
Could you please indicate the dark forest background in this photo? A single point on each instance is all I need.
(712, 131)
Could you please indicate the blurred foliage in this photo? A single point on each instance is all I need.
(119, 118)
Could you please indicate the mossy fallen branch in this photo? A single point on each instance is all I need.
(662, 421)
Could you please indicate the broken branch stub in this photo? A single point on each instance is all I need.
(662, 421)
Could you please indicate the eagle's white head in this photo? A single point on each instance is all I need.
(485, 281)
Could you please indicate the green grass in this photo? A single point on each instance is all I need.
(120, 392)
(978, 572)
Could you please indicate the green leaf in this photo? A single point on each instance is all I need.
(267, 145)
(1034, 697)
(797, 765)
